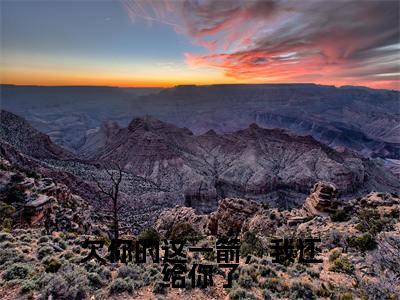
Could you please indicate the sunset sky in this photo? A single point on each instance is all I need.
(166, 43)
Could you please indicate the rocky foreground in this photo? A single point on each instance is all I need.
(360, 243)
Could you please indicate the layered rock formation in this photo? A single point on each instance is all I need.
(268, 165)
(322, 200)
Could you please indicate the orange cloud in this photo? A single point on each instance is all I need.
(336, 42)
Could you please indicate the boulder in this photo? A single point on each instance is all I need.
(322, 199)
(227, 221)
(169, 218)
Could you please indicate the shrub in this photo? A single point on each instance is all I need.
(67, 255)
(159, 288)
(151, 235)
(301, 291)
(266, 271)
(69, 283)
(183, 231)
(28, 285)
(45, 251)
(246, 281)
(76, 249)
(364, 242)
(153, 271)
(342, 265)
(10, 256)
(130, 271)
(6, 211)
(371, 221)
(241, 294)
(95, 280)
(25, 238)
(6, 237)
(6, 245)
(17, 271)
(51, 264)
(251, 244)
(119, 286)
(340, 215)
(43, 239)
(334, 255)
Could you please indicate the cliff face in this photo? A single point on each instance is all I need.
(20, 134)
(262, 164)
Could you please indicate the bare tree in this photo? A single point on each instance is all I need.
(114, 171)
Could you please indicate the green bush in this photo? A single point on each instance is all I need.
(153, 272)
(44, 251)
(28, 285)
(266, 271)
(6, 237)
(130, 271)
(51, 264)
(69, 283)
(363, 243)
(241, 294)
(251, 244)
(119, 286)
(342, 265)
(10, 256)
(17, 271)
(183, 231)
(150, 234)
(76, 249)
(300, 290)
(25, 238)
(6, 211)
(7, 245)
(67, 255)
(44, 239)
(372, 222)
(334, 255)
(340, 215)
(94, 267)
(95, 280)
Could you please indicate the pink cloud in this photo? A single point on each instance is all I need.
(336, 42)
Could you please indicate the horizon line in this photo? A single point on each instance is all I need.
(188, 85)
